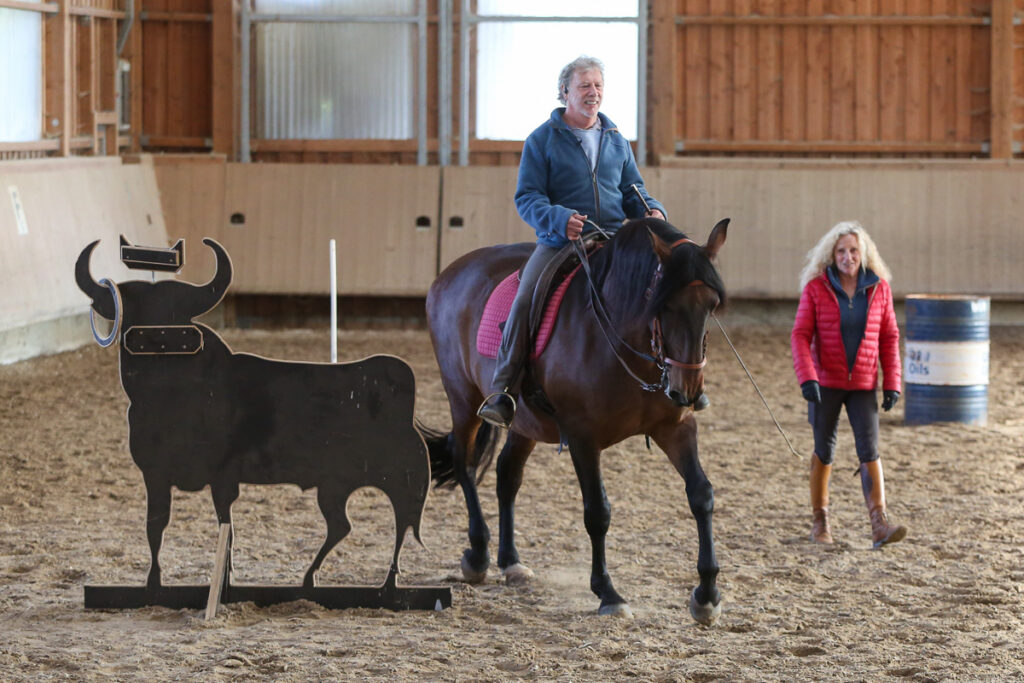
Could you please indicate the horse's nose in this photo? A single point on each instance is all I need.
(699, 403)
(677, 397)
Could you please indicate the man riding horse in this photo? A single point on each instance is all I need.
(577, 174)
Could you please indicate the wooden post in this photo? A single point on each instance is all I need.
(224, 44)
(220, 574)
(93, 81)
(66, 79)
(132, 53)
(1001, 125)
(661, 91)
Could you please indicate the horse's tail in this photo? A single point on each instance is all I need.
(441, 447)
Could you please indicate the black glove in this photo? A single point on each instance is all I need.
(811, 390)
(889, 399)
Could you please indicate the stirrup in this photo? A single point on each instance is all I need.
(480, 412)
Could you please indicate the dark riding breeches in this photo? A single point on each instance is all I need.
(862, 411)
(515, 336)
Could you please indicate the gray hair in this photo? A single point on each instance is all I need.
(581, 63)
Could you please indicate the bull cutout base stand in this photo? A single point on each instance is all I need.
(202, 415)
(221, 590)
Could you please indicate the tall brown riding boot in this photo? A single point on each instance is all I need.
(821, 531)
(873, 483)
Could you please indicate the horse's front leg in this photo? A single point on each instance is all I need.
(511, 462)
(597, 515)
(680, 444)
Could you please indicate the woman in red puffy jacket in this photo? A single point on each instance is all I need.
(845, 326)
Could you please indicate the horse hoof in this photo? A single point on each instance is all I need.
(517, 574)
(472, 575)
(706, 614)
(619, 609)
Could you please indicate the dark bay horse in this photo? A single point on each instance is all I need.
(600, 384)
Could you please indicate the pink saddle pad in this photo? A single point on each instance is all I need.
(488, 335)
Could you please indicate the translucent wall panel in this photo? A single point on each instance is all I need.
(562, 8)
(335, 80)
(336, 7)
(21, 73)
(518, 66)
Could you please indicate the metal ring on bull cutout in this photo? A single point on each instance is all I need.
(116, 295)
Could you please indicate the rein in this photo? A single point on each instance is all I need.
(660, 360)
(657, 339)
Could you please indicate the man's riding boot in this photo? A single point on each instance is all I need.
(821, 531)
(498, 409)
(873, 483)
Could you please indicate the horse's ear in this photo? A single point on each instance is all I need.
(717, 238)
(660, 248)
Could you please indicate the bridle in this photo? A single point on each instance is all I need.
(659, 358)
(657, 338)
(657, 345)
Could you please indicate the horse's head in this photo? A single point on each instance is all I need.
(686, 293)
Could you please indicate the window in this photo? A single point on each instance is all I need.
(336, 78)
(21, 74)
(518, 62)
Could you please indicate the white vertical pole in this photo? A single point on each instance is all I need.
(334, 303)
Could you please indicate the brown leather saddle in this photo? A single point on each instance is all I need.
(557, 269)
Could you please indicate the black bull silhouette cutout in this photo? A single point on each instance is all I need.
(202, 415)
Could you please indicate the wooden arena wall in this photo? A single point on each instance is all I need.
(51, 210)
(943, 226)
(860, 78)
(850, 77)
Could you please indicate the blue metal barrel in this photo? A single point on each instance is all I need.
(946, 364)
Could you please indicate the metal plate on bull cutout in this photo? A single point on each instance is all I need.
(170, 259)
(163, 339)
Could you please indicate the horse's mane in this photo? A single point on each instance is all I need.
(627, 264)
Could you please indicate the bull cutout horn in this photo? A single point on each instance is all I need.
(102, 300)
(209, 295)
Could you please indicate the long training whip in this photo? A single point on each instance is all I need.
(756, 388)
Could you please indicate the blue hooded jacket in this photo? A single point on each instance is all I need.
(556, 181)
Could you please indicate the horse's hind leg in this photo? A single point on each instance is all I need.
(333, 503)
(465, 425)
(680, 444)
(597, 515)
(511, 462)
(475, 559)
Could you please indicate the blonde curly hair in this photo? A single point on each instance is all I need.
(822, 255)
